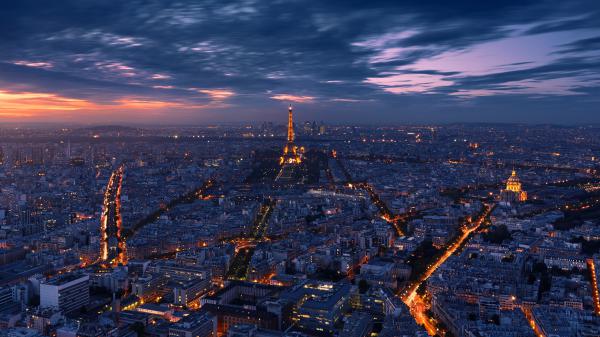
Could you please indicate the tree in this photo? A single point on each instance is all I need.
(545, 284)
(138, 328)
(382, 250)
(363, 286)
(540, 267)
(497, 235)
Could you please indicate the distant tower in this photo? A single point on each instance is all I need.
(291, 154)
(513, 191)
(290, 132)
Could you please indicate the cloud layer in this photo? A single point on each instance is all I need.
(195, 62)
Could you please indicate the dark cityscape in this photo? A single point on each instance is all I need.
(299, 169)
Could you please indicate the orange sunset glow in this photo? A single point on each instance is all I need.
(18, 105)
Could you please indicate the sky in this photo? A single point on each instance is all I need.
(339, 61)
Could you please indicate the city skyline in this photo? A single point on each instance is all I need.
(300, 230)
(211, 62)
(299, 168)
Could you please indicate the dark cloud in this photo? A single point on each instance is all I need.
(583, 45)
(103, 50)
(587, 18)
(567, 67)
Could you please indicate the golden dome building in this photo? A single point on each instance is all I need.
(513, 192)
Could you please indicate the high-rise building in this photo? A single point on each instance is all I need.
(308, 128)
(66, 293)
(195, 325)
(6, 296)
(317, 305)
(187, 293)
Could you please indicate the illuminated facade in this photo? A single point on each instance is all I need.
(513, 191)
(291, 153)
(318, 306)
(256, 308)
(67, 293)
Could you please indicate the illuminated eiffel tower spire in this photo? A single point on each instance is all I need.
(291, 155)
(290, 132)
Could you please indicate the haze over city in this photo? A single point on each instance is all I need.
(182, 62)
